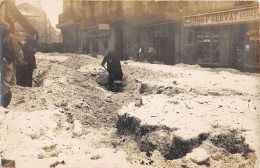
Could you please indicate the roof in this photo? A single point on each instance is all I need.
(21, 19)
(26, 13)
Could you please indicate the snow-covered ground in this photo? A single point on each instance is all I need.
(69, 120)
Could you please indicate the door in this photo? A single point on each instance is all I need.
(207, 46)
(95, 46)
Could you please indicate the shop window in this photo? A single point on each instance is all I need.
(215, 48)
(202, 54)
(190, 37)
(105, 44)
(207, 46)
(199, 38)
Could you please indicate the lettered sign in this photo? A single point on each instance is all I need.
(238, 15)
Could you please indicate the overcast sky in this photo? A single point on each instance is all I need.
(52, 8)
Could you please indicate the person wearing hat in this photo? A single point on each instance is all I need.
(113, 68)
(11, 56)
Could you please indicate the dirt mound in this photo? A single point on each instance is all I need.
(233, 142)
(102, 80)
(119, 86)
(76, 61)
(175, 125)
(163, 139)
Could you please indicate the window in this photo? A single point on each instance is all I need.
(105, 44)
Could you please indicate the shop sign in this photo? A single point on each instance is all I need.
(253, 34)
(241, 15)
(103, 27)
(253, 31)
(253, 38)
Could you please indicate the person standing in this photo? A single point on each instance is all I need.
(113, 67)
(141, 53)
(26, 71)
(151, 54)
(135, 53)
(12, 56)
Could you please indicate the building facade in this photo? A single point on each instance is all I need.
(157, 24)
(38, 18)
(208, 33)
(224, 34)
(11, 15)
(98, 27)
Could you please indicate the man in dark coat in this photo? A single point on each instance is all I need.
(113, 68)
(25, 72)
(135, 53)
(11, 56)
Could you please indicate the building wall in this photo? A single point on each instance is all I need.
(178, 42)
(110, 43)
(232, 41)
(19, 30)
(225, 42)
(196, 7)
(5, 14)
(140, 17)
(100, 12)
(38, 19)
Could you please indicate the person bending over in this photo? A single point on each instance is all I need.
(113, 67)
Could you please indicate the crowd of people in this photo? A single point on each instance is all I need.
(17, 62)
(139, 53)
(52, 47)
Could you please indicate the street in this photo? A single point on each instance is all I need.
(165, 116)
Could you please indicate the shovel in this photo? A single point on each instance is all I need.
(117, 83)
(105, 68)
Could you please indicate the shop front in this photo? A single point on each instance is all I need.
(156, 30)
(98, 39)
(223, 39)
(160, 36)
